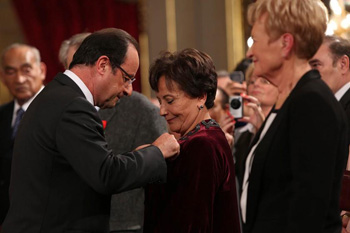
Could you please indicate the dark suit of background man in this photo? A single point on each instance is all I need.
(63, 175)
(332, 60)
(134, 121)
(23, 74)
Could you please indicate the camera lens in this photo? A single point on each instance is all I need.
(235, 103)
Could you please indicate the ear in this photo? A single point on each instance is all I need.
(102, 64)
(287, 41)
(344, 64)
(202, 100)
(43, 70)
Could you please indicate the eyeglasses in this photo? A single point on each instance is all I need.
(128, 79)
(261, 80)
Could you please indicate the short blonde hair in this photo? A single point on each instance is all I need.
(306, 20)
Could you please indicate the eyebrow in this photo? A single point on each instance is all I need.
(168, 95)
(314, 61)
(9, 68)
(23, 65)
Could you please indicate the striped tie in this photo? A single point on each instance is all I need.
(19, 116)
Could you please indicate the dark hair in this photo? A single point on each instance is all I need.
(338, 47)
(192, 70)
(225, 97)
(111, 42)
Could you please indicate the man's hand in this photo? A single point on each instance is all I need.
(168, 145)
(230, 139)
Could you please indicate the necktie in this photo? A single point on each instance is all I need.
(19, 116)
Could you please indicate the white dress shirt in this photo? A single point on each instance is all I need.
(248, 166)
(81, 85)
(342, 91)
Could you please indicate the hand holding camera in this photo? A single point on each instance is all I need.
(256, 116)
(235, 89)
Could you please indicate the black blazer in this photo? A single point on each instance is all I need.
(294, 184)
(62, 174)
(6, 147)
(345, 102)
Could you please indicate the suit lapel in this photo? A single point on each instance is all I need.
(261, 153)
(345, 99)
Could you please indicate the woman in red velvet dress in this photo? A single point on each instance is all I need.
(200, 193)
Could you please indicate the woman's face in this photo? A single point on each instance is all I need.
(263, 90)
(178, 109)
(266, 54)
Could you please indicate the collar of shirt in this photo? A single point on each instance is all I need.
(342, 91)
(24, 106)
(81, 85)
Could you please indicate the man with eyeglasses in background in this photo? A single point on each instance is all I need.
(134, 121)
(63, 174)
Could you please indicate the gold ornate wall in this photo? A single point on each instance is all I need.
(10, 32)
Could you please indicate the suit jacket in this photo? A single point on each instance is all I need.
(294, 183)
(6, 147)
(63, 174)
(133, 122)
(345, 102)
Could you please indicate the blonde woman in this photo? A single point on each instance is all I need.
(294, 168)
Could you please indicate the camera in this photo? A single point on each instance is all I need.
(236, 106)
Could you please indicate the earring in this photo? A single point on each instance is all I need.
(200, 107)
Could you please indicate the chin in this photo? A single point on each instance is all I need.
(173, 130)
(108, 105)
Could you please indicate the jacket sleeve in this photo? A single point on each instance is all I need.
(315, 139)
(80, 140)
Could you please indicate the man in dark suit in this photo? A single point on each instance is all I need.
(332, 60)
(63, 174)
(23, 74)
(126, 208)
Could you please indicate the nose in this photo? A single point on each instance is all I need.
(249, 53)
(127, 90)
(20, 78)
(255, 83)
(162, 110)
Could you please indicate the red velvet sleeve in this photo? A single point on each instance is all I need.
(200, 187)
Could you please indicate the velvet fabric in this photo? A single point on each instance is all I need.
(200, 193)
